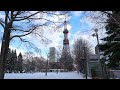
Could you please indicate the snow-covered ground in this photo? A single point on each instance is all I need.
(50, 75)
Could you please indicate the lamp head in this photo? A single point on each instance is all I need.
(93, 35)
(96, 30)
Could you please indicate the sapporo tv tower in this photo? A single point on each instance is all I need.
(65, 41)
(66, 60)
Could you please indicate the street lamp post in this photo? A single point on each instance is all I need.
(47, 64)
(85, 62)
(96, 34)
(57, 62)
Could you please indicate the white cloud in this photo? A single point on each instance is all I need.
(77, 13)
(54, 18)
(69, 27)
(55, 36)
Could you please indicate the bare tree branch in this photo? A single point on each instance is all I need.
(31, 44)
(7, 15)
(2, 23)
(29, 32)
(45, 19)
(55, 13)
(26, 17)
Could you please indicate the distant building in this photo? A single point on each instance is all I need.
(52, 54)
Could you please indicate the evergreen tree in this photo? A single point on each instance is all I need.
(15, 61)
(67, 61)
(111, 48)
(11, 67)
(20, 60)
(7, 63)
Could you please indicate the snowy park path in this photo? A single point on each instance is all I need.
(50, 75)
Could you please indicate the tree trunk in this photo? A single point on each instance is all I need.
(4, 48)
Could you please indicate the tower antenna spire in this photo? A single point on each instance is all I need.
(65, 18)
(65, 23)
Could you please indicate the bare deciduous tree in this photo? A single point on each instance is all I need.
(18, 24)
(100, 18)
(78, 52)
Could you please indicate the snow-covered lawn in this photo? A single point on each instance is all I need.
(50, 75)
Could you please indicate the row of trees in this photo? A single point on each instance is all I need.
(37, 64)
(13, 62)
(26, 63)
(34, 65)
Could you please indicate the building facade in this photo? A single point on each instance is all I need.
(52, 54)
